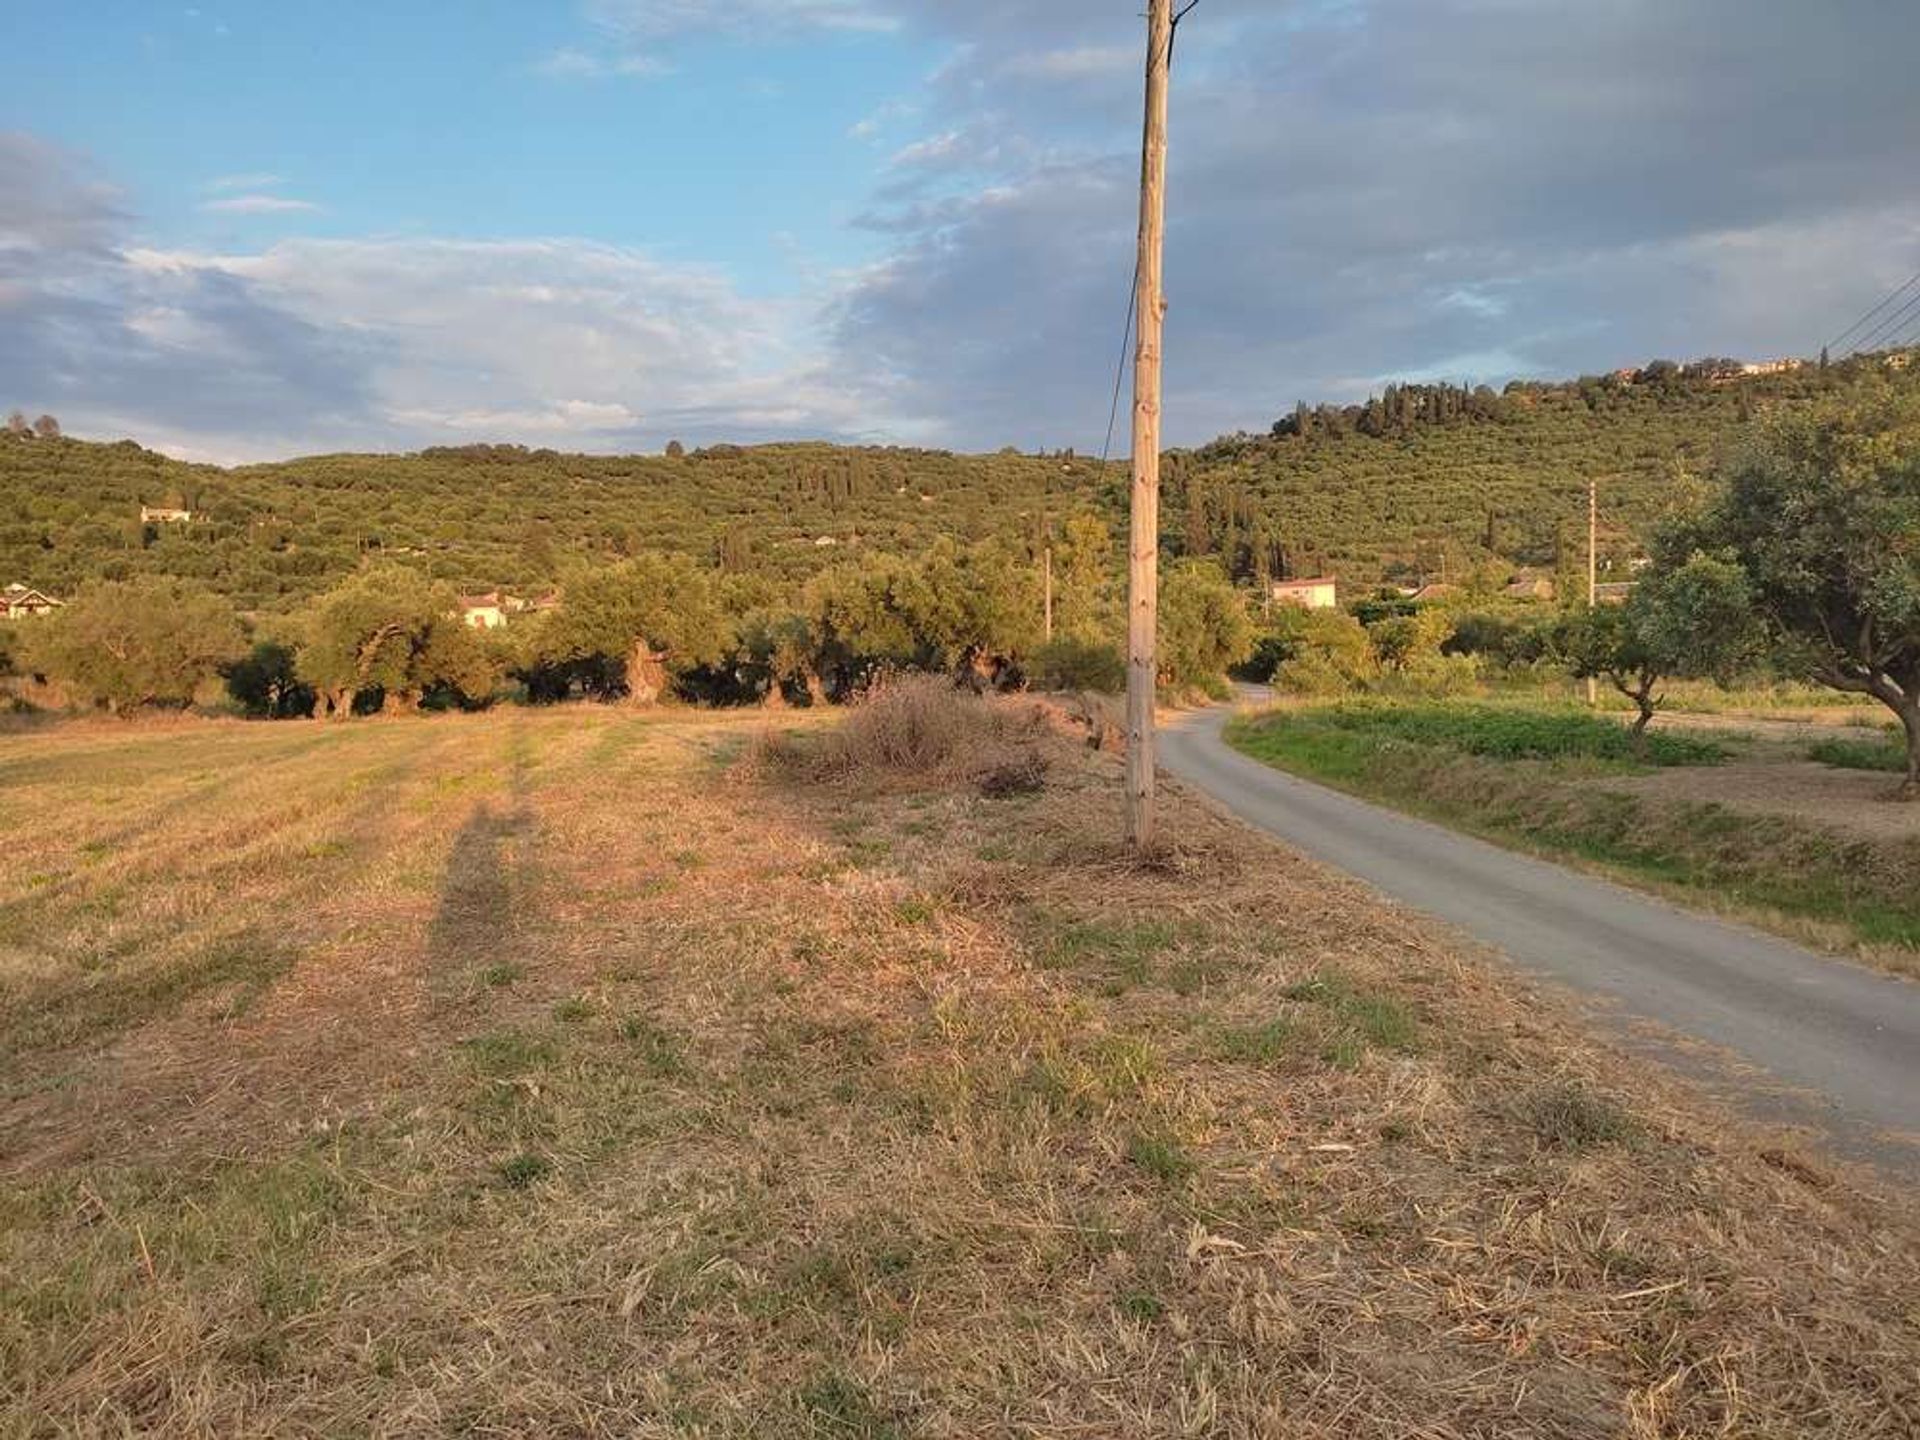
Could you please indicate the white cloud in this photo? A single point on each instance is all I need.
(1076, 62)
(261, 205)
(670, 19)
(316, 344)
(570, 63)
(254, 181)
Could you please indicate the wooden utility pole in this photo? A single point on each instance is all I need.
(1593, 569)
(1047, 588)
(1143, 549)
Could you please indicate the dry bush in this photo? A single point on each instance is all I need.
(924, 729)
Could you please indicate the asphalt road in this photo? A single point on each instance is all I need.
(1803, 1038)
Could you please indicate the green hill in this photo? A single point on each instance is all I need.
(1420, 481)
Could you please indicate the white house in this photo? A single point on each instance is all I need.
(483, 612)
(1318, 594)
(22, 602)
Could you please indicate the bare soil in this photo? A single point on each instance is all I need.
(1854, 802)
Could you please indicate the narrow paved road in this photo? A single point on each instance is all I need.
(1838, 1046)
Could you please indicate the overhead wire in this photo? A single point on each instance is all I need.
(1133, 288)
(1886, 300)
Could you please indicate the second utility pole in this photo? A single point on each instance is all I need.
(1143, 548)
(1593, 569)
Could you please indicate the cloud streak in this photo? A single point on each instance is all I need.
(261, 205)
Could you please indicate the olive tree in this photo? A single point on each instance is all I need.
(388, 629)
(151, 640)
(1691, 620)
(1822, 514)
(629, 629)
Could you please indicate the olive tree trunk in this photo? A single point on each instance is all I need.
(647, 677)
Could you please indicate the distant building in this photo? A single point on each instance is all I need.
(1771, 367)
(535, 605)
(164, 515)
(1898, 360)
(1614, 592)
(1437, 591)
(23, 602)
(1318, 594)
(483, 612)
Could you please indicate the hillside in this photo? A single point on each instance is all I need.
(1422, 481)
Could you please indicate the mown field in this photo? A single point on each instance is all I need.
(591, 1073)
(1568, 783)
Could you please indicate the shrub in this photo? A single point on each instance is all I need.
(1204, 629)
(1328, 653)
(922, 727)
(1067, 664)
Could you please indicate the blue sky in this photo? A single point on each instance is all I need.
(515, 122)
(245, 230)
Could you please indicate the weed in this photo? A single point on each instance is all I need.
(659, 1050)
(573, 1010)
(1568, 1116)
(523, 1170)
(838, 1407)
(917, 911)
(1141, 1307)
(508, 1054)
(501, 974)
(1266, 1044)
(1160, 1156)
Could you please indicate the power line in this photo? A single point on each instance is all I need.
(1891, 325)
(1133, 288)
(1120, 370)
(1887, 300)
(1910, 337)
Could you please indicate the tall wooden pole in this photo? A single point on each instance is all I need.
(1143, 550)
(1047, 563)
(1593, 569)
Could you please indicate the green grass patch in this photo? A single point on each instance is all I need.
(523, 1171)
(1351, 730)
(1845, 754)
(1530, 778)
(1161, 1157)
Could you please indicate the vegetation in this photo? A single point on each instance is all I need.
(1537, 778)
(386, 632)
(1822, 513)
(146, 641)
(1693, 620)
(1859, 755)
(525, 1073)
(1204, 628)
(1423, 484)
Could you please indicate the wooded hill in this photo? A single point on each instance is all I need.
(1420, 482)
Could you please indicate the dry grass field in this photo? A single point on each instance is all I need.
(586, 1073)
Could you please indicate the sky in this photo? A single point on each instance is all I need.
(249, 229)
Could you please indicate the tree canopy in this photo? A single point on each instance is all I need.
(146, 641)
(1821, 513)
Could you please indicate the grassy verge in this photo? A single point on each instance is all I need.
(1885, 755)
(1525, 777)
(617, 1075)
